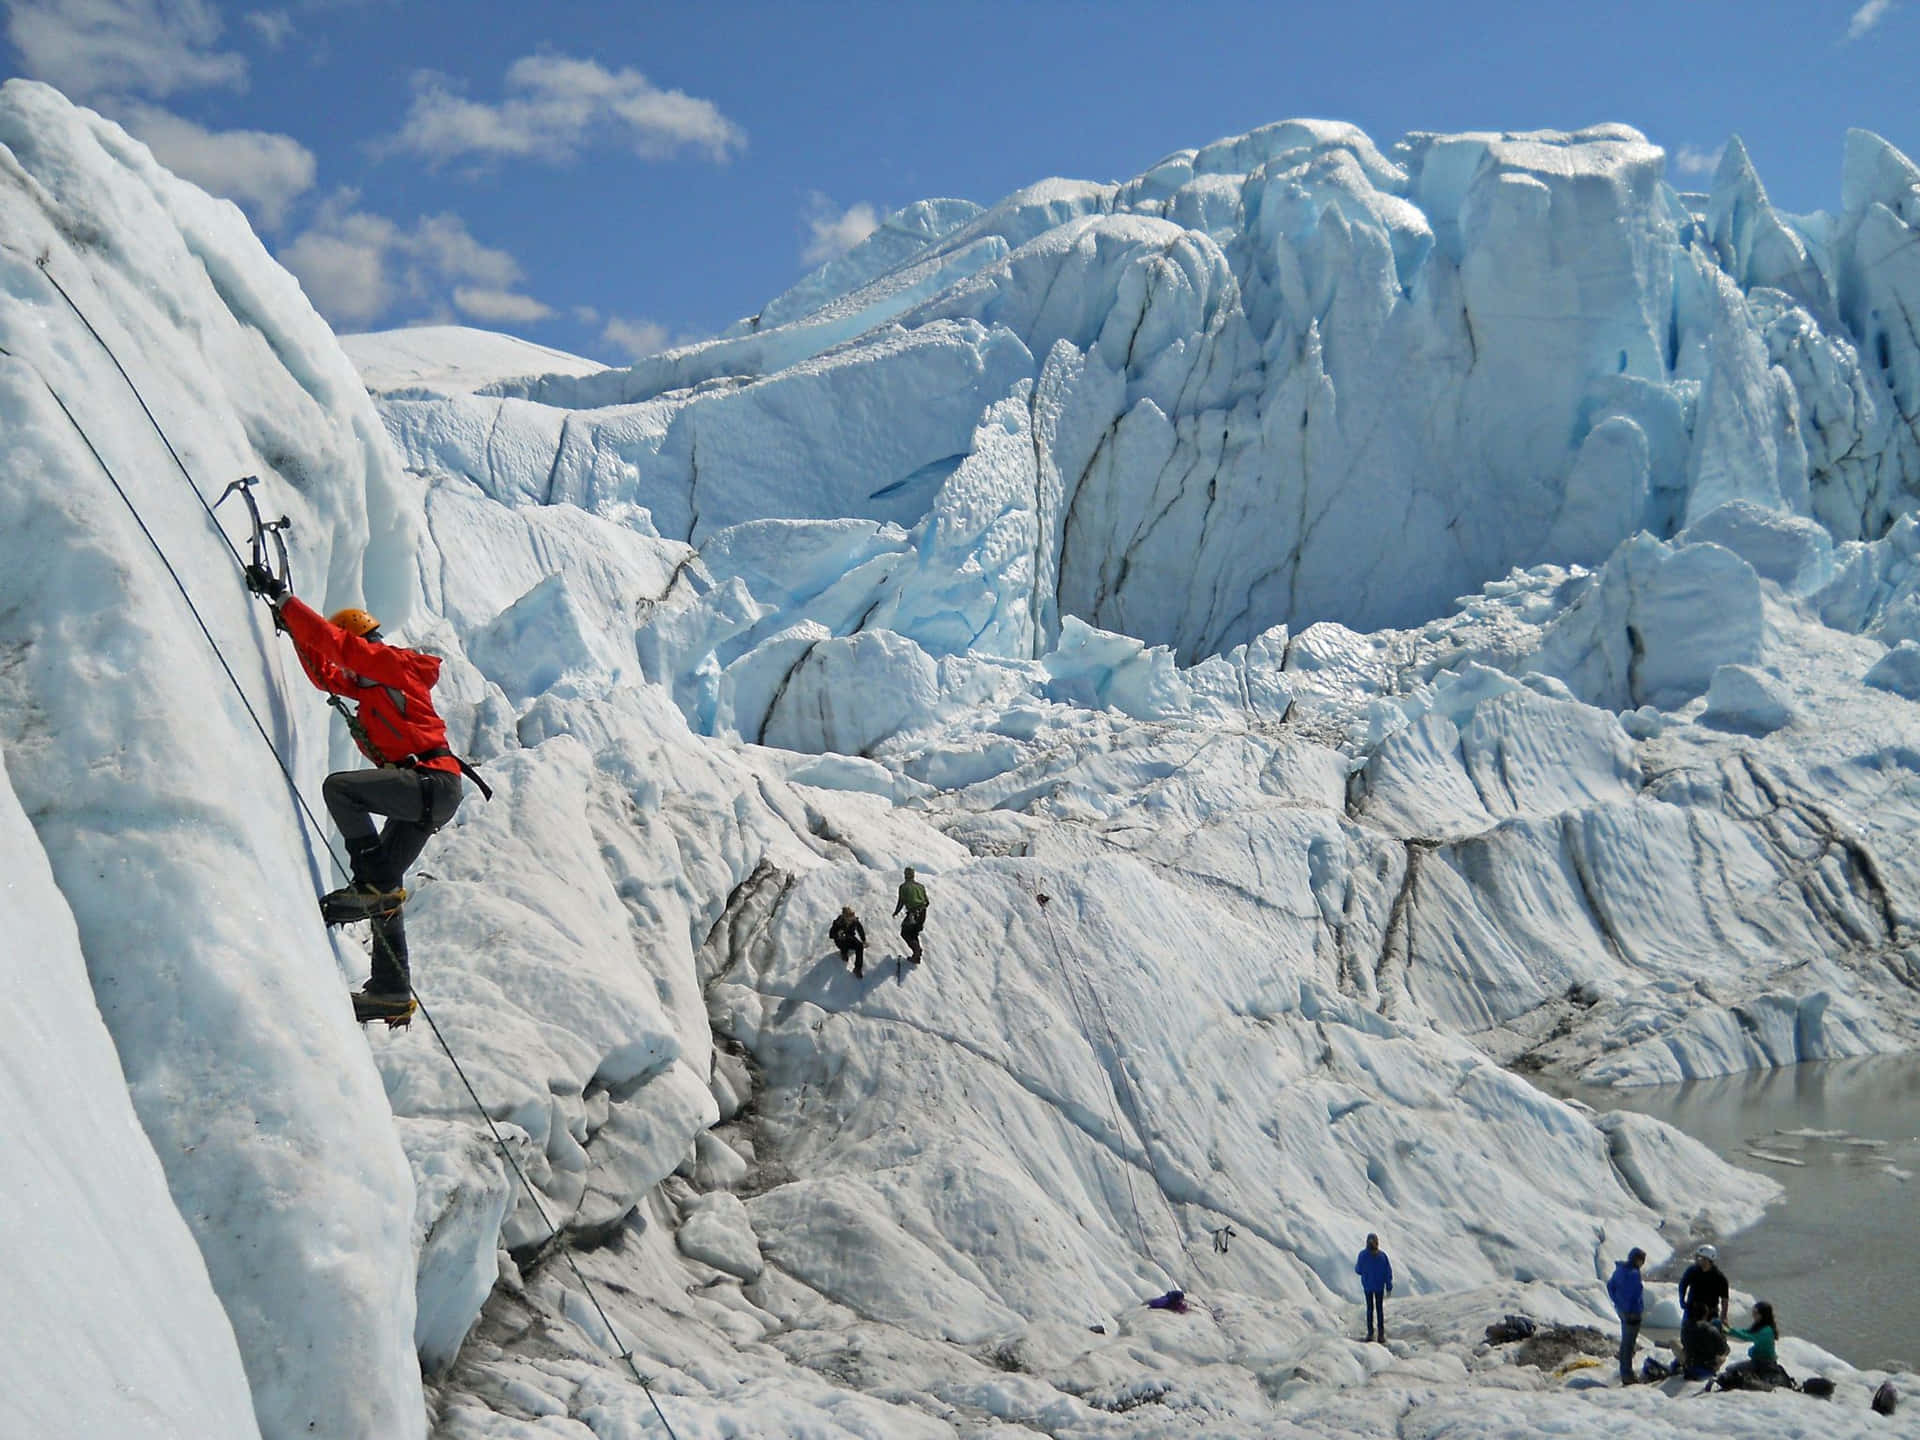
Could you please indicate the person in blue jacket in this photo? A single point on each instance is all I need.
(1629, 1299)
(1376, 1278)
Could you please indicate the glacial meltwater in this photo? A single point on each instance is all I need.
(1837, 1255)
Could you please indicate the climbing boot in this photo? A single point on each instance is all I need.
(362, 900)
(396, 1009)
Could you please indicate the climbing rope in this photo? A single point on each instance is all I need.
(180, 585)
(553, 1231)
(625, 1352)
(1123, 1089)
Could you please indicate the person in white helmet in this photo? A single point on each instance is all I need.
(1703, 1310)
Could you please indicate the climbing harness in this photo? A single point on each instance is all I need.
(415, 760)
(260, 534)
(364, 743)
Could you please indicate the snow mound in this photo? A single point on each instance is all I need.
(453, 359)
(1897, 671)
(1279, 380)
(1739, 697)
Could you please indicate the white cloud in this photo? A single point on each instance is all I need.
(263, 172)
(274, 27)
(554, 108)
(836, 231)
(1696, 159)
(117, 54)
(499, 307)
(634, 338)
(443, 244)
(358, 267)
(1868, 16)
(92, 48)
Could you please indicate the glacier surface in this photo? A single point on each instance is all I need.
(1419, 616)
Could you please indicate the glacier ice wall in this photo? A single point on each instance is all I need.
(1278, 379)
(110, 1326)
(163, 817)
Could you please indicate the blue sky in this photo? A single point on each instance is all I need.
(612, 177)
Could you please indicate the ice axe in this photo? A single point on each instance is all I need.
(280, 568)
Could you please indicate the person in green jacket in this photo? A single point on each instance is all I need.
(1763, 1334)
(913, 900)
(1761, 1364)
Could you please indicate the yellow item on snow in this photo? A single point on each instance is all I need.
(1578, 1362)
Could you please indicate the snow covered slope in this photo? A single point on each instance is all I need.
(453, 359)
(1305, 898)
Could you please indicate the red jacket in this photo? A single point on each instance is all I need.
(394, 687)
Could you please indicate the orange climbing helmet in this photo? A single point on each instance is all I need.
(354, 621)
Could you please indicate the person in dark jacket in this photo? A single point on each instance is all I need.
(849, 937)
(1629, 1300)
(913, 900)
(1376, 1279)
(415, 790)
(1703, 1310)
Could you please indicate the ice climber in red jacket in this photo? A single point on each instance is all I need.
(416, 787)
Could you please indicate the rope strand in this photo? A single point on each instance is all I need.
(81, 315)
(553, 1230)
(180, 584)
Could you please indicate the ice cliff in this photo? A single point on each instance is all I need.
(1046, 547)
(1283, 378)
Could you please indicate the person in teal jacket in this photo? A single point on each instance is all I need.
(1764, 1333)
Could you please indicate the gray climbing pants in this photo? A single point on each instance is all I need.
(414, 803)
